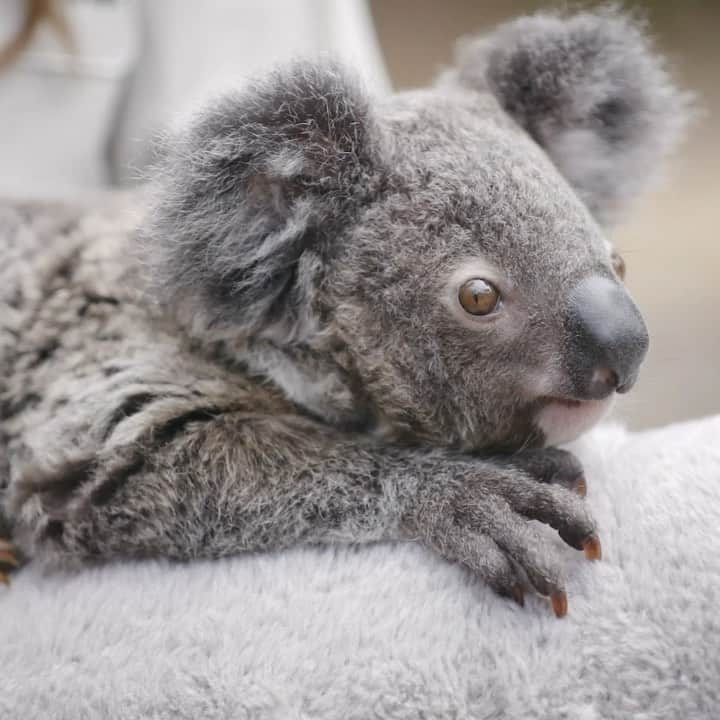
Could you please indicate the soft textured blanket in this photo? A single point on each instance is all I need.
(393, 631)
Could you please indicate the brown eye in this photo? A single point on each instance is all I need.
(478, 296)
(618, 265)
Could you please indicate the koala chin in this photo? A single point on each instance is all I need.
(349, 319)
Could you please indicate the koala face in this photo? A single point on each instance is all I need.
(439, 255)
(477, 294)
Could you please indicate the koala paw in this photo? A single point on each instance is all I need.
(481, 521)
(46, 503)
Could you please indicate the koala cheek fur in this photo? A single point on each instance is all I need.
(280, 357)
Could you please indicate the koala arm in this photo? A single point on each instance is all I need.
(267, 482)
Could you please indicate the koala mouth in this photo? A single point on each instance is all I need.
(562, 420)
(567, 402)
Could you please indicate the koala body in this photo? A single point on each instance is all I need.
(343, 320)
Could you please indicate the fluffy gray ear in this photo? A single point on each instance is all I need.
(591, 91)
(247, 198)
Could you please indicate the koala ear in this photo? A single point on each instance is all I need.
(591, 91)
(246, 199)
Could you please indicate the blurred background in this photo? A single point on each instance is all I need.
(85, 85)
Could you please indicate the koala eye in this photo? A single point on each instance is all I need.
(618, 265)
(478, 296)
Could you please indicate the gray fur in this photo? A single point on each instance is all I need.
(588, 89)
(249, 195)
(283, 361)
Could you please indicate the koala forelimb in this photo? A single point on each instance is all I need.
(208, 485)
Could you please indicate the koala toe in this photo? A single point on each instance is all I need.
(556, 506)
(530, 550)
(551, 466)
(525, 550)
(481, 554)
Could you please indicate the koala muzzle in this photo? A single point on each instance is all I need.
(607, 338)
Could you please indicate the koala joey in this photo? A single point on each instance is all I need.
(343, 319)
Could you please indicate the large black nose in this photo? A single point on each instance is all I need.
(607, 338)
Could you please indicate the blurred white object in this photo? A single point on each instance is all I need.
(56, 107)
(71, 123)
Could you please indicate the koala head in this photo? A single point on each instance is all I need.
(433, 264)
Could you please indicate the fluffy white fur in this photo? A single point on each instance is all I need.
(395, 632)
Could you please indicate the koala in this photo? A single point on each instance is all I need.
(343, 319)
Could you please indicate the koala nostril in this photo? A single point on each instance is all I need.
(603, 382)
(605, 379)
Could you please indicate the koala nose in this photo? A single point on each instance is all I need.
(607, 338)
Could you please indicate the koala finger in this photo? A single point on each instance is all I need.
(523, 543)
(480, 554)
(556, 506)
(551, 466)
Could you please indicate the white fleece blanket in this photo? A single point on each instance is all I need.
(394, 632)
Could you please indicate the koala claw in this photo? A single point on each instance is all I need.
(559, 602)
(518, 595)
(592, 548)
(8, 561)
(7, 554)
